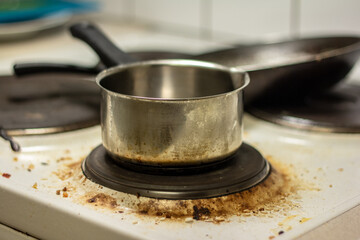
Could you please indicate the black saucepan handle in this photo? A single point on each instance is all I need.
(109, 54)
(39, 67)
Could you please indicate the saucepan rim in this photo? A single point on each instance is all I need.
(172, 62)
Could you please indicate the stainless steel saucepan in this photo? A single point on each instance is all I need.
(166, 112)
(171, 112)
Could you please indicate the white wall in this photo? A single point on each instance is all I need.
(245, 20)
(330, 16)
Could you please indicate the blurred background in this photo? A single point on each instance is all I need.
(241, 20)
(218, 20)
(38, 29)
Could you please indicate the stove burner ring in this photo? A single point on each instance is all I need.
(336, 110)
(48, 103)
(241, 171)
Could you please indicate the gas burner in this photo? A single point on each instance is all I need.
(241, 171)
(47, 103)
(337, 110)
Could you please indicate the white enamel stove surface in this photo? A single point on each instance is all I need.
(44, 214)
(29, 203)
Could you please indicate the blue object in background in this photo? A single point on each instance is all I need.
(25, 10)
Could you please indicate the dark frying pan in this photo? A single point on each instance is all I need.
(288, 69)
(291, 69)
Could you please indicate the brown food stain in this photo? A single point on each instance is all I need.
(68, 170)
(103, 200)
(270, 197)
(64, 159)
(273, 197)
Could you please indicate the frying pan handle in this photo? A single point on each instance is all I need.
(21, 69)
(109, 54)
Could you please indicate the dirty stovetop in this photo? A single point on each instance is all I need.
(43, 190)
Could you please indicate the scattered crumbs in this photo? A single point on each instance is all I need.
(315, 189)
(120, 211)
(281, 232)
(271, 198)
(63, 159)
(31, 167)
(330, 185)
(340, 169)
(271, 237)
(64, 189)
(304, 220)
(44, 163)
(35, 186)
(15, 159)
(65, 194)
(103, 200)
(287, 219)
(219, 219)
(67, 171)
(135, 222)
(6, 175)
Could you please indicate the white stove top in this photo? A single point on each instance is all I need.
(322, 169)
(43, 192)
